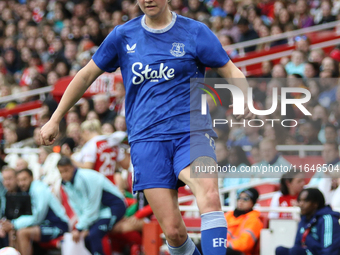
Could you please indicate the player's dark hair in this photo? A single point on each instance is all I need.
(289, 176)
(64, 161)
(26, 170)
(314, 196)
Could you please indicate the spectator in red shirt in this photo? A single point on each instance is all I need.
(291, 184)
(97, 154)
(267, 8)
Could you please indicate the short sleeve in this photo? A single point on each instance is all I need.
(106, 56)
(209, 49)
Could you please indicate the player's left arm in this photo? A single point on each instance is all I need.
(230, 72)
(234, 76)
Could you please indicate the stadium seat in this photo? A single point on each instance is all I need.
(20, 108)
(267, 188)
(265, 202)
(192, 224)
(131, 239)
(265, 220)
(293, 159)
(317, 39)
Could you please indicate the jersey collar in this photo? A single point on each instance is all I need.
(159, 31)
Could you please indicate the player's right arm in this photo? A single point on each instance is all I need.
(77, 87)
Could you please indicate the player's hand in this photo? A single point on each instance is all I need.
(75, 235)
(49, 132)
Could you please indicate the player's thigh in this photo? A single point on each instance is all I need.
(194, 157)
(164, 204)
(200, 182)
(204, 186)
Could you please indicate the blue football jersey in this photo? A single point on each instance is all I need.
(157, 66)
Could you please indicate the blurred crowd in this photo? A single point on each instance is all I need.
(42, 41)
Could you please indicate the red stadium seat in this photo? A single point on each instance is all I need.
(295, 160)
(20, 108)
(192, 223)
(315, 38)
(265, 220)
(267, 188)
(265, 202)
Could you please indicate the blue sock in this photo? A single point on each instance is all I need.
(214, 233)
(188, 248)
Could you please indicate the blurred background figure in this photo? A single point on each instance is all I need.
(313, 228)
(291, 184)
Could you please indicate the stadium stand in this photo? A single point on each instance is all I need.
(44, 43)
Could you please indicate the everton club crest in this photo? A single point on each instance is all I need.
(177, 49)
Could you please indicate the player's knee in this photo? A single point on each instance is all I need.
(174, 234)
(212, 199)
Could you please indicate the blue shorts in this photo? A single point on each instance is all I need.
(51, 230)
(157, 164)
